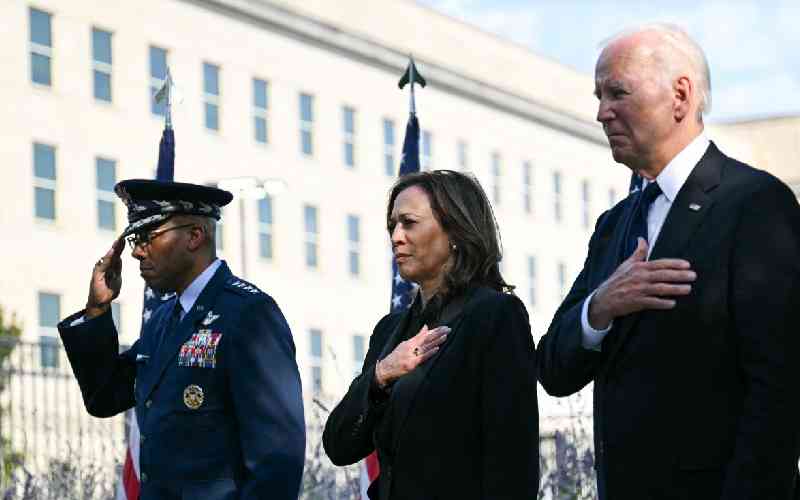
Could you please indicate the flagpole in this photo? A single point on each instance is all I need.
(411, 80)
(168, 98)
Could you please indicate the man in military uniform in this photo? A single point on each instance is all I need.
(213, 375)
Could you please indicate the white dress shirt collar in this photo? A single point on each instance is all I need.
(674, 175)
(193, 291)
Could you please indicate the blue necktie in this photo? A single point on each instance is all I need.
(171, 324)
(638, 227)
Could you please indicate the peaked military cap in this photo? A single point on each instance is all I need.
(152, 202)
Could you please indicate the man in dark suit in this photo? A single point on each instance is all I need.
(213, 375)
(683, 315)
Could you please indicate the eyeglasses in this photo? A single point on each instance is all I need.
(144, 238)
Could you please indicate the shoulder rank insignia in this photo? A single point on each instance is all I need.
(242, 285)
(210, 318)
(193, 396)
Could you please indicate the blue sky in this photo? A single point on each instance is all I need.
(753, 47)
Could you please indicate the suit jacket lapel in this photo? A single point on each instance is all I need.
(173, 340)
(690, 207)
(408, 387)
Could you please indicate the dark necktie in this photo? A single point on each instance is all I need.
(638, 227)
(171, 324)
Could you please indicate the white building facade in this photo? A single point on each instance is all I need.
(305, 92)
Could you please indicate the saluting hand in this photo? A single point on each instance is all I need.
(106, 281)
(410, 354)
(639, 284)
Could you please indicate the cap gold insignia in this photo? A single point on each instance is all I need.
(694, 207)
(193, 396)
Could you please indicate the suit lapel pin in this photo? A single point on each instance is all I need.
(694, 207)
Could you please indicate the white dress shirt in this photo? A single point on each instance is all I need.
(670, 180)
(193, 291)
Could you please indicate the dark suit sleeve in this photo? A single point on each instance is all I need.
(509, 411)
(105, 376)
(765, 306)
(347, 437)
(268, 403)
(564, 366)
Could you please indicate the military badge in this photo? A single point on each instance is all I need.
(200, 350)
(193, 396)
(210, 318)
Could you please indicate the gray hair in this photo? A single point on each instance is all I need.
(680, 43)
(208, 224)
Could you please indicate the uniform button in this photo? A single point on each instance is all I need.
(148, 403)
(144, 477)
(142, 438)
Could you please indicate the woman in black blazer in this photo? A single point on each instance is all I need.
(447, 394)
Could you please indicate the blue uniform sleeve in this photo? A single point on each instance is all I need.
(268, 403)
(105, 376)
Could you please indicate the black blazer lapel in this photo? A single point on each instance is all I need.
(394, 338)
(685, 216)
(408, 387)
(173, 340)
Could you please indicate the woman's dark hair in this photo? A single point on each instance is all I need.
(462, 209)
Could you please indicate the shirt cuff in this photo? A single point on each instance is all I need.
(591, 338)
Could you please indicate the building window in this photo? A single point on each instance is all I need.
(101, 64)
(49, 315)
(359, 352)
(353, 244)
(311, 235)
(158, 73)
(315, 338)
(527, 187)
(531, 280)
(562, 280)
(116, 316)
(211, 95)
(349, 135)
(426, 150)
(388, 147)
(612, 197)
(463, 156)
(44, 181)
(41, 46)
(260, 109)
(265, 227)
(307, 124)
(557, 196)
(106, 179)
(497, 168)
(586, 202)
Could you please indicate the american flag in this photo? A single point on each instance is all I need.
(402, 290)
(128, 487)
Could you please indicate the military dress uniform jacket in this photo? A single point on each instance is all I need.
(219, 404)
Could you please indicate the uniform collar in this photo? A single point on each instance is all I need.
(674, 175)
(189, 296)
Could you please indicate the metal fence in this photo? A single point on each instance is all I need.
(43, 422)
(57, 450)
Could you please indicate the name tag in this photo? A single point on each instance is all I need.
(200, 350)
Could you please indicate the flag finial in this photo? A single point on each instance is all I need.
(410, 77)
(166, 95)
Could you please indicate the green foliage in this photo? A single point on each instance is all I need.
(10, 332)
